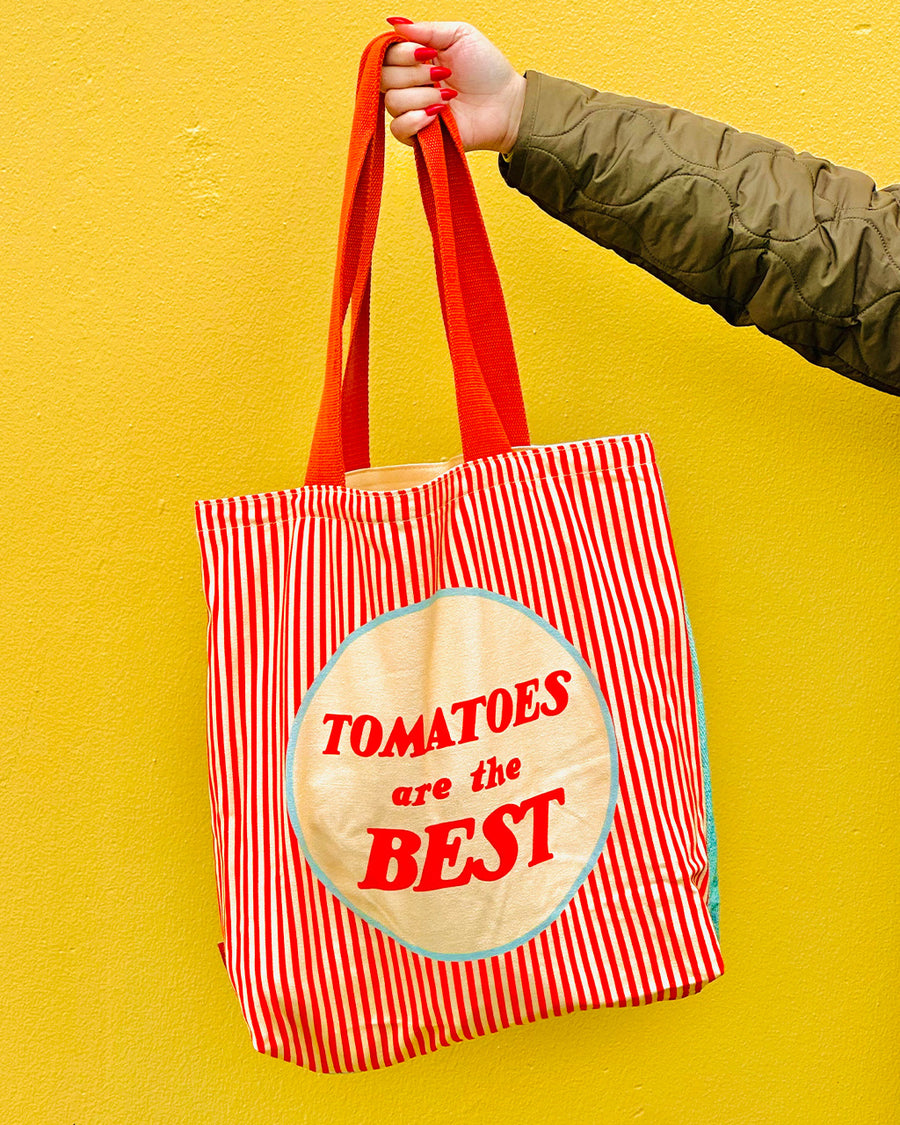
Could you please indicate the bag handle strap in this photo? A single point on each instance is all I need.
(488, 393)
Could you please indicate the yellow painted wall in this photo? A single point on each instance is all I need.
(169, 190)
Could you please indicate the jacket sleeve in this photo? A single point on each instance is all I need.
(807, 251)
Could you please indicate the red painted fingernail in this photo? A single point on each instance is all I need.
(431, 110)
(395, 20)
(423, 54)
(448, 95)
(439, 72)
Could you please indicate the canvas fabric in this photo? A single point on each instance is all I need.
(455, 760)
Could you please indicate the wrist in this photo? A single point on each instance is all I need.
(516, 105)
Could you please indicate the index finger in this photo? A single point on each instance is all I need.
(401, 54)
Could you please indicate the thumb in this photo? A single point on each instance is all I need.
(437, 35)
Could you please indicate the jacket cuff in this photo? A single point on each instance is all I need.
(512, 166)
(553, 112)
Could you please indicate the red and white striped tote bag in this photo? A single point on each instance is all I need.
(454, 752)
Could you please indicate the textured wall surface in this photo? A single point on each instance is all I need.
(169, 194)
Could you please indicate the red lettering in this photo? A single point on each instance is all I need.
(477, 776)
(365, 746)
(403, 794)
(499, 717)
(442, 850)
(334, 735)
(468, 708)
(503, 840)
(398, 844)
(495, 773)
(439, 735)
(441, 866)
(441, 788)
(540, 805)
(554, 684)
(400, 739)
(524, 697)
(501, 711)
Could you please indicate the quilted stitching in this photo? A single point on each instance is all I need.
(804, 249)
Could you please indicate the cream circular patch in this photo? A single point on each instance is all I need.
(451, 773)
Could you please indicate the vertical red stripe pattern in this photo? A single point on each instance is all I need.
(579, 534)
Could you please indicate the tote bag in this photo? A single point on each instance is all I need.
(455, 759)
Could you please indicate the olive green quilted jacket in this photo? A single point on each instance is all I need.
(807, 251)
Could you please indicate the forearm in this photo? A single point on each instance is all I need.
(807, 251)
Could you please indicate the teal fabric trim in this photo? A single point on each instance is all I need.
(712, 847)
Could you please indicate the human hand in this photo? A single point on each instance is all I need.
(487, 94)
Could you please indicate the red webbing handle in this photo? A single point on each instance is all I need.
(489, 398)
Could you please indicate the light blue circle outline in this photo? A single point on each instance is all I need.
(613, 763)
